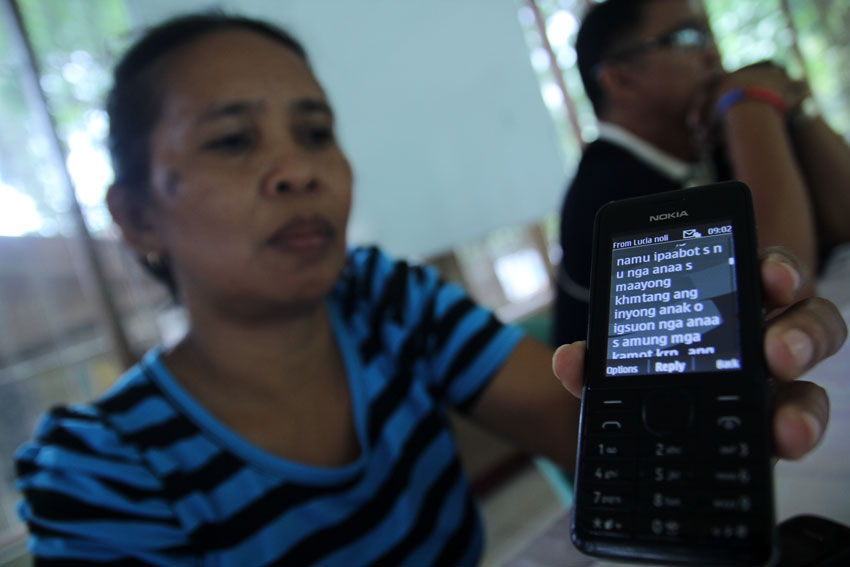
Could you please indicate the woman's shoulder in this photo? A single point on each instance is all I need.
(87, 438)
(372, 279)
(92, 494)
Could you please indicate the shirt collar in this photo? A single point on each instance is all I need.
(674, 168)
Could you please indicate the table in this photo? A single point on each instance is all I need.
(817, 484)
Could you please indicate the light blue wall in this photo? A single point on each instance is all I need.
(439, 111)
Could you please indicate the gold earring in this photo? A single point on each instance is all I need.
(154, 260)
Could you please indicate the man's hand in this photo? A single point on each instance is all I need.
(702, 119)
(798, 336)
(764, 74)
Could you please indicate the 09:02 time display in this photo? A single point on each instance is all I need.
(720, 229)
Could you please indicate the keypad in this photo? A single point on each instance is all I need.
(673, 465)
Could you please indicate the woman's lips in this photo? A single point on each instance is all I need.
(303, 236)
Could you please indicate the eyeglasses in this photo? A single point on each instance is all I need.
(686, 37)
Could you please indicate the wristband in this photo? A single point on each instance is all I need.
(762, 94)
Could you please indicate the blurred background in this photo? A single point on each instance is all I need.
(463, 121)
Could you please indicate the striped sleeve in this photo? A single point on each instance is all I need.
(89, 498)
(467, 344)
(463, 344)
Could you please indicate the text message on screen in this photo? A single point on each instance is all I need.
(674, 305)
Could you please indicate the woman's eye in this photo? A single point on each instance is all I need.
(316, 136)
(231, 143)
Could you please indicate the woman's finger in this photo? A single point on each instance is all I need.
(801, 412)
(802, 336)
(568, 364)
(783, 276)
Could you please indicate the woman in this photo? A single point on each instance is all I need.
(302, 419)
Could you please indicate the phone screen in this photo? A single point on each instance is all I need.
(673, 301)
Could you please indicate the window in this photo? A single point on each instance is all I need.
(54, 345)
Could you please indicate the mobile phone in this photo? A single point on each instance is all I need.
(675, 445)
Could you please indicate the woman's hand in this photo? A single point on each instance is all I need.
(799, 335)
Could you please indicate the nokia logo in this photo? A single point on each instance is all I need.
(665, 216)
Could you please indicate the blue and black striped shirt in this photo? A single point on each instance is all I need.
(147, 476)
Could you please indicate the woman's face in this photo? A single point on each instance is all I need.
(250, 191)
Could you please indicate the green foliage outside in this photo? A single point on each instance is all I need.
(754, 30)
(75, 42)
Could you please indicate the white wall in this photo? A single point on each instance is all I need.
(438, 109)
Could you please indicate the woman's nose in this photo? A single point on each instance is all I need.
(289, 186)
(291, 172)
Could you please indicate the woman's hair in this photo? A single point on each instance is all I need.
(135, 101)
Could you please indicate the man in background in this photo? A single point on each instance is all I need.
(671, 117)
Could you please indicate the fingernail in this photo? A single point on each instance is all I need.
(795, 276)
(800, 346)
(554, 356)
(814, 425)
(792, 271)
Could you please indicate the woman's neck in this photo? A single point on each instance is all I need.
(269, 381)
(259, 356)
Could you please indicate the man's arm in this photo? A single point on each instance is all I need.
(824, 157)
(762, 157)
(762, 153)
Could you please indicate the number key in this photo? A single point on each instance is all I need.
(610, 448)
(606, 472)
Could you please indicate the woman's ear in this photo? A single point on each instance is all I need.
(134, 215)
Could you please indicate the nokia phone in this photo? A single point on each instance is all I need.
(674, 456)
